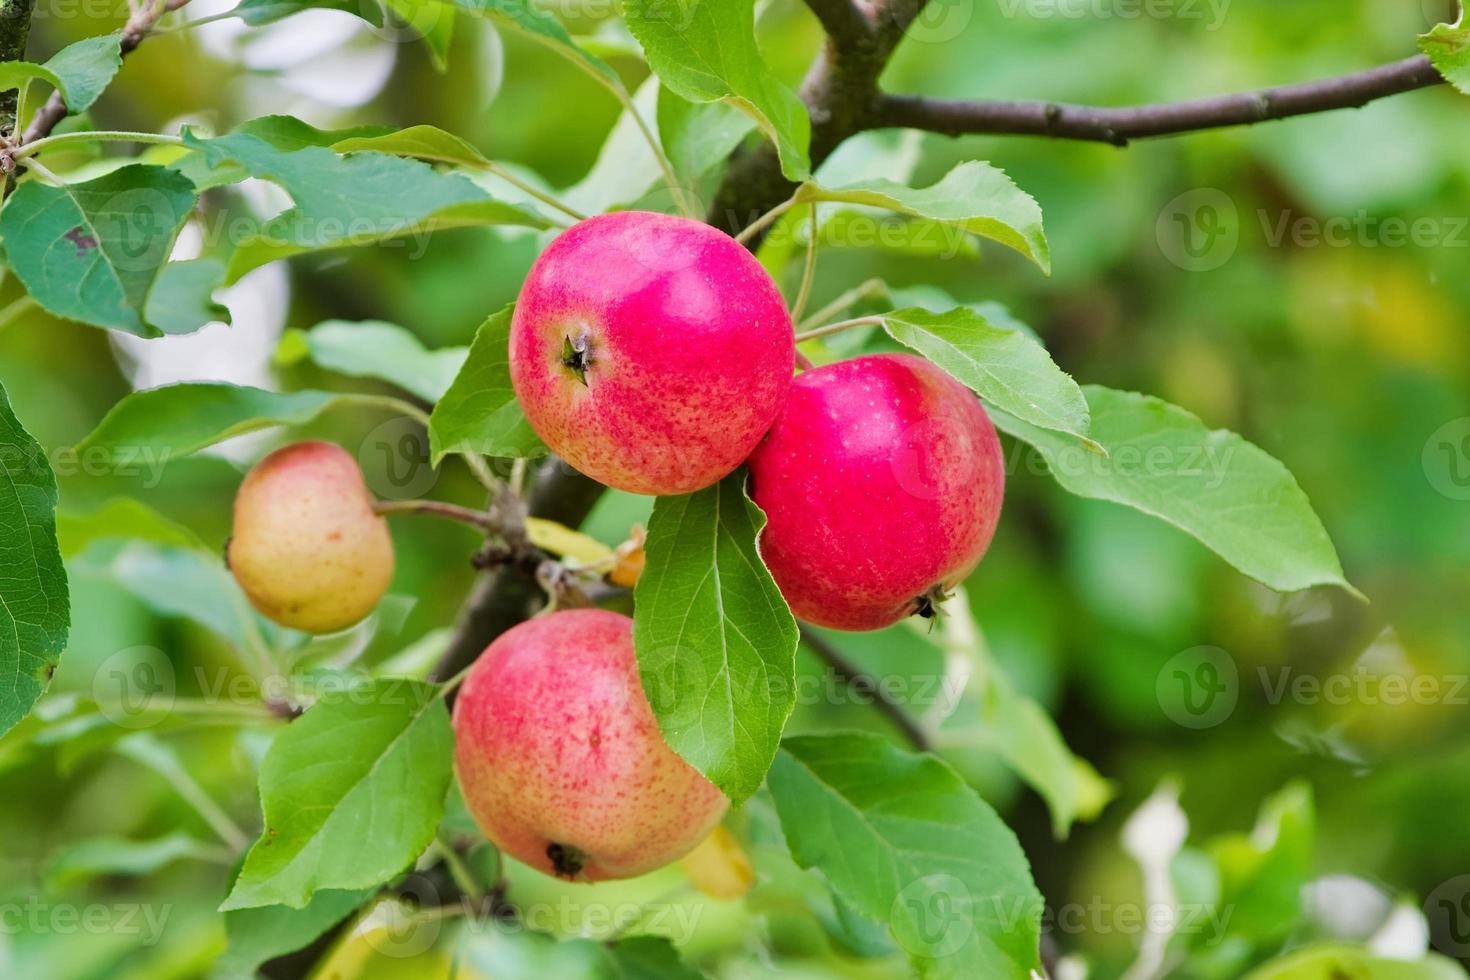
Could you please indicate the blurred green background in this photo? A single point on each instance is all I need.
(1347, 359)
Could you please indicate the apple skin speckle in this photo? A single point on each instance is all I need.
(560, 758)
(882, 481)
(683, 348)
(307, 547)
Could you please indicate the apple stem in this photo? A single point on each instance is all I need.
(438, 508)
(766, 220)
(809, 272)
(844, 302)
(831, 328)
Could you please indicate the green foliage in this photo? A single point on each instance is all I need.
(34, 605)
(705, 51)
(479, 413)
(80, 72)
(352, 793)
(1232, 496)
(1448, 46)
(374, 349)
(1005, 367)
(965, 908)
(93, 251)
(716, 642)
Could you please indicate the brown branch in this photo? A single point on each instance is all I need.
(861, 682)
(133, 33)
(1118, 126)
(845, 22)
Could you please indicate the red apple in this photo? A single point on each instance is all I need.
(308, 549)
(650, 352)
(561, 761)
(882, 479)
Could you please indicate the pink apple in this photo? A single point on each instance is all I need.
(650, 352)
(882, 479)
(561, 761)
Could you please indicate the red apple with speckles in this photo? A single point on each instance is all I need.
(561, 761)
(650, 352)
(882, 480)
(308, 549)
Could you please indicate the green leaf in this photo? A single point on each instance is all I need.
(479, 413)
(358, 199)
(1334, 961)
(375, 349)
(974, 197)
(904, 841)
(80, 72)
(420, 142)
(256, 935)
(698, 135)
(35, 610)
(504, 951)
(352, 792)
(716, 642)
(432, 21)
(121, 517)
(182, 300)
(1262, 873)
(1448, 46)
(1213, 485)
(160, 424)
(705, 51)
(524, 17)
(118, 856)
(92, 251)
(257, 13)
(1005, 367)
(920, 237)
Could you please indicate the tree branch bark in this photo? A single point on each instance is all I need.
(1119, 126)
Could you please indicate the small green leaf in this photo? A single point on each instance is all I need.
(35, 611)
(705, 51)
(905, 842)
(92, 252)
(352, 792)
(526, 18)
(182, 300)
(479, 413)
(374, 349)
(159, 424)
(80, 72)
(98, 856)
(974, 197)
(359, 199)
(716, 642)
(1338, 961)
(1230, 495)
(1448, 46)
(698, 135)
(1005, 367)
(256, 935)
(420, 142)
(121, 517)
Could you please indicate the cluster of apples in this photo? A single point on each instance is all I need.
(654, 354)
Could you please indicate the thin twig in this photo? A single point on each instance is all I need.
(831, 328)
(438, 508)
(843, 303)
(864, 683)
(1119, 125)
(809, 271)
